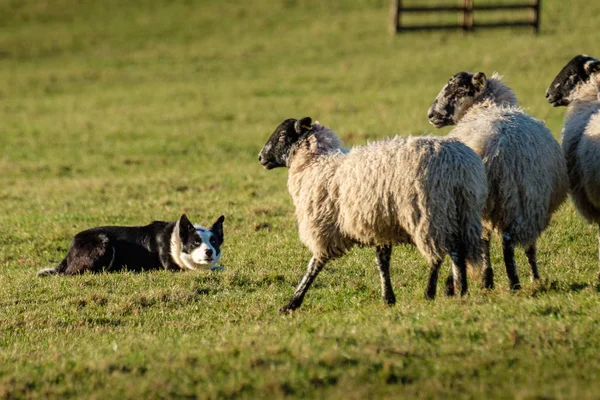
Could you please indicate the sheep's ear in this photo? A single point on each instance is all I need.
(591, 67)
(479, 80)
(303, 125)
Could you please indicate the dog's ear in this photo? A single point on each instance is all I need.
(217, 228)
(185, 226)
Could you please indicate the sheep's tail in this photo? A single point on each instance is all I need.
(470, 204)
(59, 269)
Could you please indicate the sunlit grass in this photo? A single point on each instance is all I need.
(124, 112)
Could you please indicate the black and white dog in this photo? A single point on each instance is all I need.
(175, 245)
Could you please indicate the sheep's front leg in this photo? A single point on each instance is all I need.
(531, 253)
(384, 254)
(315, 265)
(508, 250)
(434, 270)
(459, 269)
(488, 272)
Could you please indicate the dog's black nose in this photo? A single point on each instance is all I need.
(208, 252)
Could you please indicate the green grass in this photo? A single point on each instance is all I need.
(116, 112)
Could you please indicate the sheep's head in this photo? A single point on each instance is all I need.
(275, 153)
(461, 91)
(576, 72)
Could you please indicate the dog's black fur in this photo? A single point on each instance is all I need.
(135, 248)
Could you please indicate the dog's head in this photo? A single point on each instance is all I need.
(196, 247)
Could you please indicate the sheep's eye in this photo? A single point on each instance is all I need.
(281, 137)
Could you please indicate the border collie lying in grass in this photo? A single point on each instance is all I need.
(167, 245)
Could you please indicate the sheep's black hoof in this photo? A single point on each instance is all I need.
(290, 307)
(515, 286)
(488, 279)
(286, 309)
(449, 290)
(390, 300)
(430, 294)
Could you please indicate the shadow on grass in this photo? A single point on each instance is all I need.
(555, 286)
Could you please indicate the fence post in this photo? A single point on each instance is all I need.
(466, 16)
(536, 15)
(467, 22)
(395, 10)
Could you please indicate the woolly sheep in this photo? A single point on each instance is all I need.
(426, 191)
(526, 171)
(578, 86)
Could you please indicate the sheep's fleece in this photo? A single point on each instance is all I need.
(427, 191)
(581, 146)
(526, 170)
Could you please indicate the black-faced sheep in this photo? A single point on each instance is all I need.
(526, 171)
(426, 191)
(578, 86)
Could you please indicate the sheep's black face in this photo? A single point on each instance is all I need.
(577, 71)
(455, 98)
(276, 151)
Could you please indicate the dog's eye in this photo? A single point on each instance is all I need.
(212, 240)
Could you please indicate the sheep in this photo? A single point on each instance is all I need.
(578, 87)
(429, 192)
(526, 171)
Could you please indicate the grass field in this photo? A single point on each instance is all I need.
(115, 112)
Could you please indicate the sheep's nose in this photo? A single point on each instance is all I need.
(208, 252)
(430, 114)
(547, 94)
(260, 158)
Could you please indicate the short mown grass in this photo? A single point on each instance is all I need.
(117, 112)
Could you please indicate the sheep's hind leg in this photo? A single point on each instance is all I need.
(384, 254)
(488, 272)
(508, 250)
(434, 270)
(599, 251)
(449, 288)
(315, 265)
(458, 272)
(531, 253)
(459, 269)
